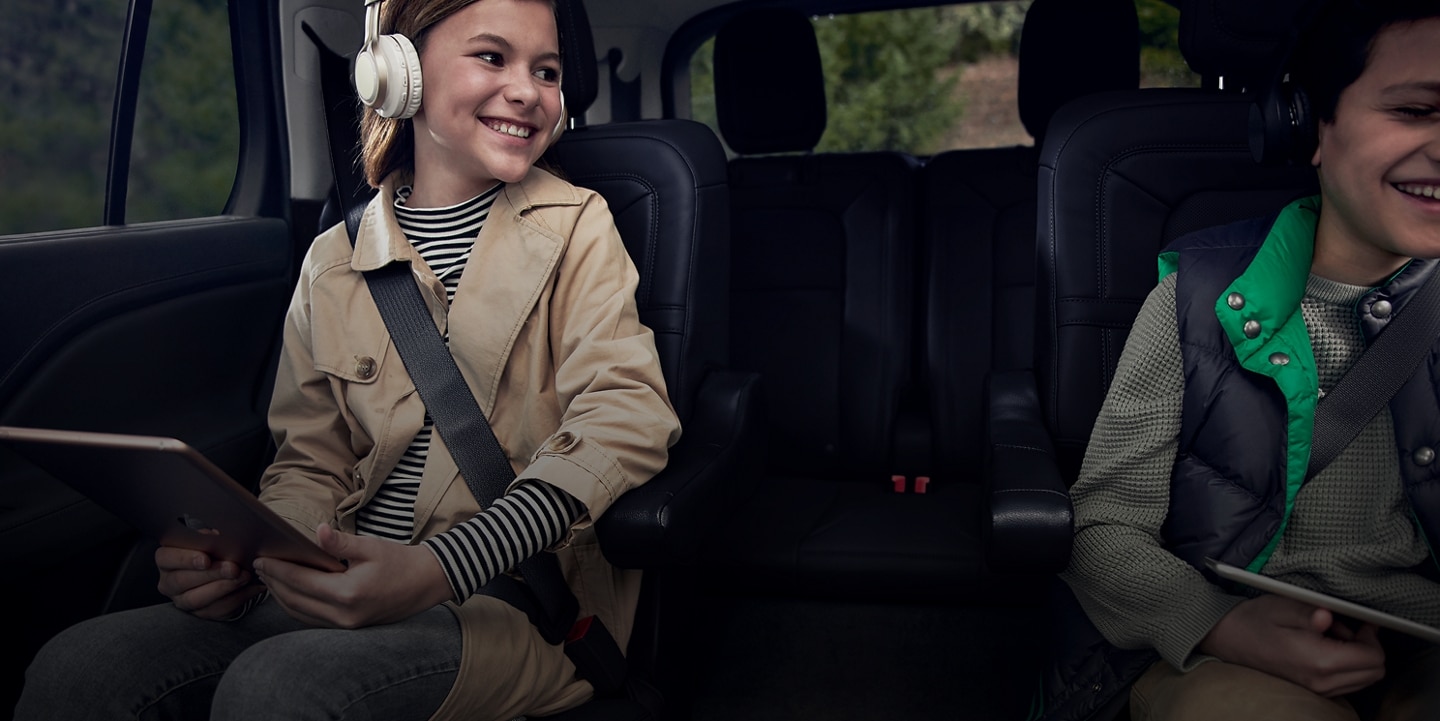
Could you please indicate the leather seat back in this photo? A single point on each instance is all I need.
(823, 252)
(1121, 175)
(665, 183)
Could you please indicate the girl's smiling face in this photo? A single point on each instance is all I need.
(1379, 161)
(491, 99)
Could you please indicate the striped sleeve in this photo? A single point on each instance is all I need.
(532, 517)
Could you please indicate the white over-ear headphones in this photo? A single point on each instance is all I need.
(387, 70)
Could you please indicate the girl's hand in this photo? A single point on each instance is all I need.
(1299, 643)
(199, 585)
(385, 582)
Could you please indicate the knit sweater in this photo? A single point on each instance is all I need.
(1350, 534)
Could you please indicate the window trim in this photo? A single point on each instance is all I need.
(122, 115)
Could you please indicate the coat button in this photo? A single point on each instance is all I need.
(1279, 359)
(1235, 301)
(365, 367)
(1382, 309)
(1252, 329)
(561, 442)
(1424, 456)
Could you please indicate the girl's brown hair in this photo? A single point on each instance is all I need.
(387, 144)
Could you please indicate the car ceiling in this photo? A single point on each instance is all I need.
(666, 15)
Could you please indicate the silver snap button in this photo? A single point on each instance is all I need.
(1382, 309)
(365, 367)
(1424, 456)
(1235, 301)
(1279, 359)
(1252, 328)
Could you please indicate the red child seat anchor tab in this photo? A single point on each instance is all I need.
(901, 483)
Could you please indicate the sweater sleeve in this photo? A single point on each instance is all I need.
(531, 517)
(1136, 592)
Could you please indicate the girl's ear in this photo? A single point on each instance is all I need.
(1320, 128)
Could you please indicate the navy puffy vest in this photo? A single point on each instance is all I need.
(1228, 487)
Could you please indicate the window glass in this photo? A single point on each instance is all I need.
(57, 75)
(187, 128)
(1161, 64)
(58, 68)
(924, 80)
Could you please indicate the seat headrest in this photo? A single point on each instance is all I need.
(1073, 48)
(579, 73)
(769, 87)
(1243, 41)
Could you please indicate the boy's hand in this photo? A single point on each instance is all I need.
(196, 583)
(385, 582)
(1300, 643)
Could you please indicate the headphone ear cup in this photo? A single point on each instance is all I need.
(561, 122)
(405, 68)
(1304, 134)
(1282, 130)
(387, 77)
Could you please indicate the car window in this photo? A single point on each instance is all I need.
(1161, 64)
(58, 70)
(187, 126)
(924, 80)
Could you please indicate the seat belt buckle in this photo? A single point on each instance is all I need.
(596, 655)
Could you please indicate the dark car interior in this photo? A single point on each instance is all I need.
(887, 363)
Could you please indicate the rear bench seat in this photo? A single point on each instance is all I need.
(875, 294)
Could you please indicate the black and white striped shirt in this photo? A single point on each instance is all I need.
(531, 517)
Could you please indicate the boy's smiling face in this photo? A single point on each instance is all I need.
(1379, 161)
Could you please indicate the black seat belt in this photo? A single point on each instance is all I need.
(544, 597)
(1375, 378)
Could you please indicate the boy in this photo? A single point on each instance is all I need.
(1201, 446)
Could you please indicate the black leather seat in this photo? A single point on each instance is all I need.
(822, 306)
(1123, 174)
(826, 305)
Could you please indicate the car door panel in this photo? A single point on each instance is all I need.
(166, 328)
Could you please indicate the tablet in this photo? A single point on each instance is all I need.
(169, 492)
(1315, 598)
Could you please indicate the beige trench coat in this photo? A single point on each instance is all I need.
(544, 327)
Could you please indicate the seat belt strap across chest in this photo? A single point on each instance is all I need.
(1375, 378)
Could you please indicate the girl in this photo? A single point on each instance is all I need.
(529, 282)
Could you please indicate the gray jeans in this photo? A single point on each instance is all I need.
(162, 663)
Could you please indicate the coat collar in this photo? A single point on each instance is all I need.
(381, 241)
